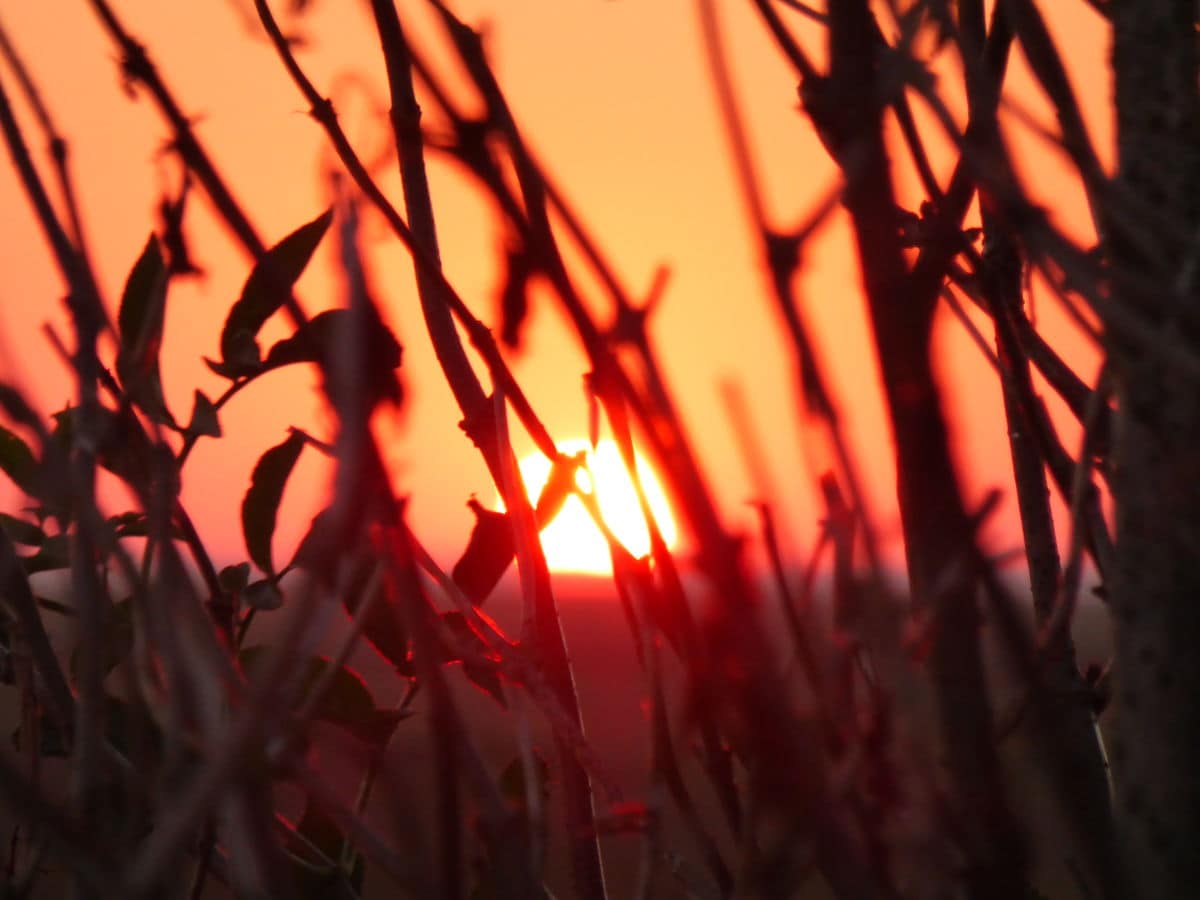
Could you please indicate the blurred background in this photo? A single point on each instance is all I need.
(615, 99)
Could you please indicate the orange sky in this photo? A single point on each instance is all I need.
(615, 97)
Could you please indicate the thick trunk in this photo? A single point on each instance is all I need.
(1156, 590)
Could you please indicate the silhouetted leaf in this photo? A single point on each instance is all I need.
(233, 579)
(54, 553)
(204, 420)
(16, 408)
(174, 240)
(18, 462)
(263, 595)
(492, 546)
(489, 552)
(375, 353)
(124, 448)
(248, 364)
(139, 319)
(265, 291)
(22, 532)
(491, 883)
(315, 551)
(382, 626)
(316, 879)
(135, 524)
(140, 325)
(482, 675)
(309, 347)
(63, 432)
(319, 830)
(514, 298)
(346, 701)
(558, 488)
(120, 443)
(261, 504)
(129, 524)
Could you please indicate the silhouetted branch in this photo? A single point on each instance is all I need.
(781, 258)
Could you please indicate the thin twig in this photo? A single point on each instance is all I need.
(480, 335)
(781, 260)
(56, 143)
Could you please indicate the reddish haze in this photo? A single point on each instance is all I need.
(616, 99)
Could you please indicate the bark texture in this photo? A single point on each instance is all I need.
(1156, 590)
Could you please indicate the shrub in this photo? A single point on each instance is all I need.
(859, 746)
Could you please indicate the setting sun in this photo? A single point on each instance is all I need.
(572, 542)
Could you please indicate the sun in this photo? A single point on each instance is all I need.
(572, 542)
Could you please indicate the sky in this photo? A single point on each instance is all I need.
(615, 97)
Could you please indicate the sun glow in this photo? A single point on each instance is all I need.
(572, 542)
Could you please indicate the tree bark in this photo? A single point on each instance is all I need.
(1156, 484)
